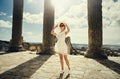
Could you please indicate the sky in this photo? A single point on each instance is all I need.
(73, 12)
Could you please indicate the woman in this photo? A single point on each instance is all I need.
(60, 46)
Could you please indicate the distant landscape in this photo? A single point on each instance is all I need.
(77, 48)
(114, 47)
(6, 44)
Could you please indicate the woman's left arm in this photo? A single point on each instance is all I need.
(68, 30)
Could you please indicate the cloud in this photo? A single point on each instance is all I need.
(6, 24)
(76, 16)
(111, 22)
(30, 1)
(32, 36)
(3, 14)
(33, 18)
(79, 35)
(5, 33)
(111, 13)
(37, 2)
(111, 35)
(28, 33)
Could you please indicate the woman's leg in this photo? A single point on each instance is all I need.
(67, 61)
(61, 61)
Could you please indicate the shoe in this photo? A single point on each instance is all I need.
(68, 71)
(62, 71)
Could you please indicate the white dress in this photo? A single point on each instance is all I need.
(60, 46)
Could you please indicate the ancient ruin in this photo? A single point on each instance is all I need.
(17, 39)
(94, 28)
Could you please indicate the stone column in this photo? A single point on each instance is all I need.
(17, 39)
(95, 30)
(48, 23)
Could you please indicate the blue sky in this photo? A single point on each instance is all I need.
(74, 13)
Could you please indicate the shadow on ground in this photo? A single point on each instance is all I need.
(6, 52)
(25, 70)
(61, 76)
(111, 65)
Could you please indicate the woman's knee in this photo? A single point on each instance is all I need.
(61, 56)
(65, 57)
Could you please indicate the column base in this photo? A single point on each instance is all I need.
(15, 49)
(47, 51)
(96, 54)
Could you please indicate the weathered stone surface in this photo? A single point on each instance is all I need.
(16, 43)
(48, 23)
(95, 30)
(69, 44)
(26, 65)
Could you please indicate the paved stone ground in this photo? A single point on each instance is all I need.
(28, 65)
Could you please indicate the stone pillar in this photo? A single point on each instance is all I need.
(95, 30)
(69, 44)
(17, 39)
(48, 23)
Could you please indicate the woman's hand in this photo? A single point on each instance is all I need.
(52, 31)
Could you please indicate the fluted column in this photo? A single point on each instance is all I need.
(95, 30)
(17, 39)
(48, 23)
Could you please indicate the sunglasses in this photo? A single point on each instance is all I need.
(62, 25)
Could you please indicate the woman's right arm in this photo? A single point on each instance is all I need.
(68, 30)
(52, 31)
